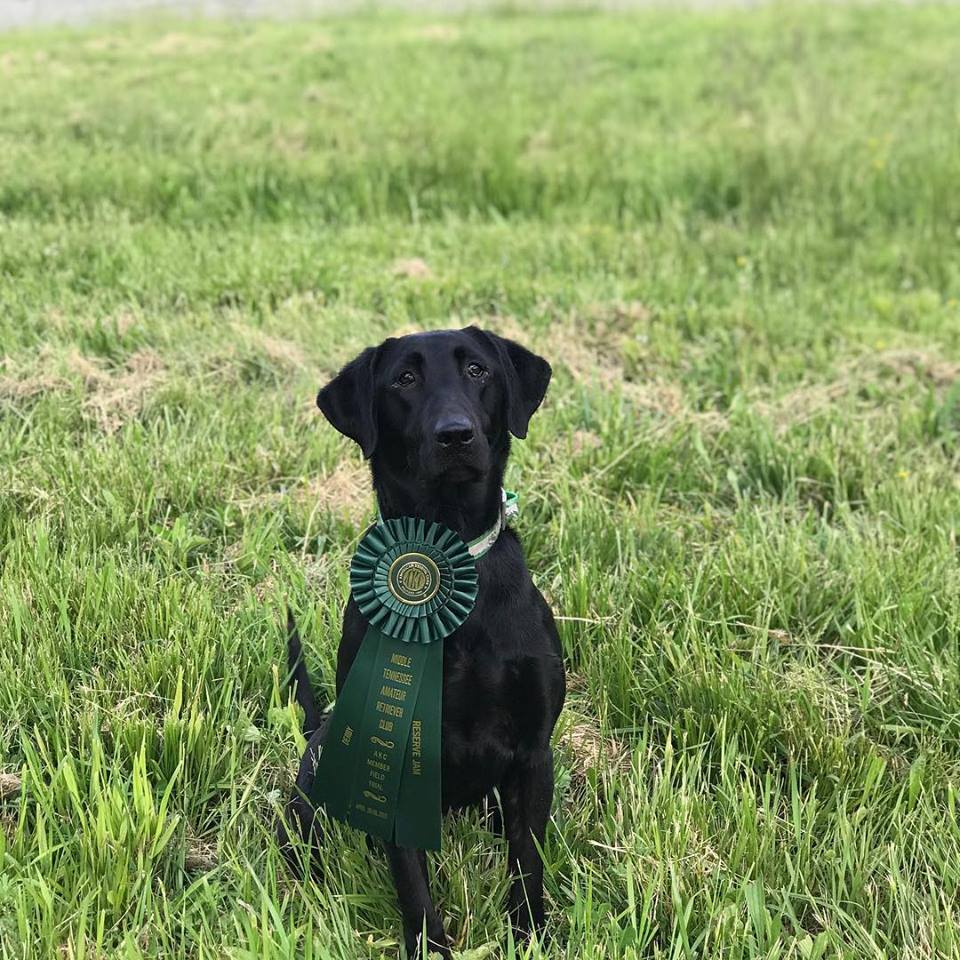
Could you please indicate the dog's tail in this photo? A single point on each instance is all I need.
(299, 678)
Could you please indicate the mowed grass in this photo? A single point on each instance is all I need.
(735, 235)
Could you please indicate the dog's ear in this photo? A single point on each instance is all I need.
(347, 401)
(526, 375)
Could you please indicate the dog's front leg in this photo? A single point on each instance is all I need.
(409, 870)
(526, 794)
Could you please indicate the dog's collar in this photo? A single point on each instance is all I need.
(509, 507)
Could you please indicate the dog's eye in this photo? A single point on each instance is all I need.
(405, 379)
(475, 370)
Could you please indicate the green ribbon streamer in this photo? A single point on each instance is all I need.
(379, 768)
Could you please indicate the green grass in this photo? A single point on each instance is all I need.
(737, 238)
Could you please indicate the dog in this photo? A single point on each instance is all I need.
(434, 414)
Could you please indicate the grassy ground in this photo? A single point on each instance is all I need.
(737, 237)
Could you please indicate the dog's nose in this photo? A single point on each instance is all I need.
(453, 431)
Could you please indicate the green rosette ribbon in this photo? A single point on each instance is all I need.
(379, 769)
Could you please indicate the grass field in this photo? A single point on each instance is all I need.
(737, 238)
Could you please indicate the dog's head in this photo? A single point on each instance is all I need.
(437, 406)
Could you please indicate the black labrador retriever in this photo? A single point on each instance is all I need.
(434, 413)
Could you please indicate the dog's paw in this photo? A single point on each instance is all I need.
(435, 948)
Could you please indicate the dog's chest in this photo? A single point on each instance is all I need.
(493, 710)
